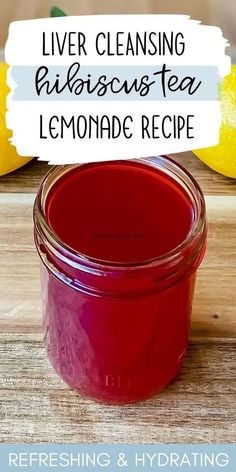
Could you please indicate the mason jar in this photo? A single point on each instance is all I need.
(119, 245)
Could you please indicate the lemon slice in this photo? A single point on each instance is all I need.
(9, 159)
(222, 157)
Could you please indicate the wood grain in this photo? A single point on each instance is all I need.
(36, 406)
(27, 178)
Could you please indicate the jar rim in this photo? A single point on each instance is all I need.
(83, 261)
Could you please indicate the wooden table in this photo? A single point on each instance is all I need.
(36, 406)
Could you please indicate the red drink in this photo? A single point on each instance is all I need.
(120, 242)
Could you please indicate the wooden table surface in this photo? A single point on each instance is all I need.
(36, 406)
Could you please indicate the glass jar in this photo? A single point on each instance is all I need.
(117, 330)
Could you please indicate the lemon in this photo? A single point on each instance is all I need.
(9, 159)
(222, 157)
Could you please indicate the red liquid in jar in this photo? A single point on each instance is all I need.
(108, 346)
(119, 212)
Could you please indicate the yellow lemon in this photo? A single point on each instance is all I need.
(9, 159)
(222, 157)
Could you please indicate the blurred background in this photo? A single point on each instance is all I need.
(213, 12)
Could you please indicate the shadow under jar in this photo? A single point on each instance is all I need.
(120, 243)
